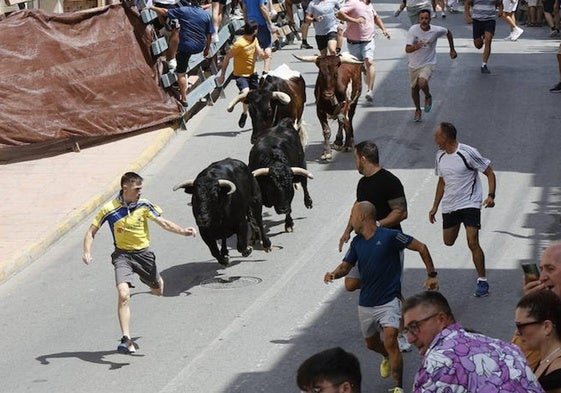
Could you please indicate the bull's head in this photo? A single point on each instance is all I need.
(209, 195)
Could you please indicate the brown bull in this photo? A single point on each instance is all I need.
(338, 88)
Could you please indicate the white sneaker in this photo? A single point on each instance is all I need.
(214, 39)
(516, 33)
(369, 96)
(508, 37)
(433, 15)
(172, 65)
(403, 344)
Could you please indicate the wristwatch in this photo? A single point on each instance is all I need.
(432, 274)
(492, 195)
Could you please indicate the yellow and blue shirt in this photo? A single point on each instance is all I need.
(128, 223)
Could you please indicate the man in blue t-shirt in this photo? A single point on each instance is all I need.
(258, 11)
(195, 32)
(376, 250)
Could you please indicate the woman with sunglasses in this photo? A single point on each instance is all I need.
(538, 321)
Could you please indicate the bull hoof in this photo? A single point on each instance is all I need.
(224, 261)
(347, 149)
(247, 252)
(268, 249)
(289, 229)
(326, 156)
(337, 147)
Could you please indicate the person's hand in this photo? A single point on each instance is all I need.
(453, 54)
(360, 21)
(432, 215)
(431, 284)
(87, 258)
(344, 239)
(419, 44)
(190, 231)
(329, 277)
(386, 34)
(206, 52)
(532, 286)
(489, 202)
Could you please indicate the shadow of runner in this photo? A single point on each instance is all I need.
(92, 357)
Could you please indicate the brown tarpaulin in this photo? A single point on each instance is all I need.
(78, 77)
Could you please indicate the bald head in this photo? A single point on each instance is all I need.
(367, 210)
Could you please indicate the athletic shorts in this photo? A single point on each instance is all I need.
(141, 262)
(362, 50)
(470, 217)
(264, 37)
(251, 82)
(322, 40)
(480, 27)
(559, 50)
(374, 319)
(509, 6)
(424, 72)
(182, 59)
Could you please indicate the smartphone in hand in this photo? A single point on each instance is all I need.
(531, 272)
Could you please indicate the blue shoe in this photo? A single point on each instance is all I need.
(485, 69)
(127, 346)
(428, 103)
(482, 289)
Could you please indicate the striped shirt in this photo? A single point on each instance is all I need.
(460, 171)
(484, 9)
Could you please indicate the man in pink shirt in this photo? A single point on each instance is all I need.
(361, 18)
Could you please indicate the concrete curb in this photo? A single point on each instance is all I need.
(29, 253)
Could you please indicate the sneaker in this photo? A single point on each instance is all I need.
(397, 12)
(403, 344)
(443, 14)
(305, 45)
(242, 120)
(485, 69)
(554, 32)
(172, 65)
(428, 103)
(385, 368)
(369, 96)
(517, 32)
(125, 346)
(396, 390)
(556, 88)
(214, 39)
(482, 289)
(508, 37)
(417, 117)
(433, 15)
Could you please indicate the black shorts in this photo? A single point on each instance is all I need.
(482, 26)
(251, 81)
(182, 62)
(548, 6)
(322, 40)
(470, 217)
(141, 262)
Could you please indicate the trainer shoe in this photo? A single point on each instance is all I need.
(385, 368)
(403, 344)
(485, 69)
(214, 39)
(443, 14)
(556, 88)
(242, 120)
(428, 103)
(397, 12)
(433, 15)
(508, 37)
(417, 117)
(369, 96)
(127, 346)
(396, 390)
(516, 33)
(172, 65)
(482, 289)
(554, 32)
(305, 45)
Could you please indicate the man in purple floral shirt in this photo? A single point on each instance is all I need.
(454, 360)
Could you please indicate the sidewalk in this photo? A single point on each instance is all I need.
(43, 199)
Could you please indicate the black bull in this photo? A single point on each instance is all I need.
(226, 201)
(277, 161)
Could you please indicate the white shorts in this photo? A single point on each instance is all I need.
(424, 72)
(374, 319)
(509, 6)
(362, 50)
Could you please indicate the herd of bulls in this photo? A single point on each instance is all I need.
(228, 196)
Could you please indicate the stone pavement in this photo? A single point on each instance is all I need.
(44, 198)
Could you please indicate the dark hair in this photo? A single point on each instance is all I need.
(250, 27)
(334, 365)
(425, 10)
(448, 130)
(131, 177)
(368, 150)
(428, 298)
(543, 306)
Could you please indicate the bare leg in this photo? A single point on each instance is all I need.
(182, 82)
(123, 308)
(487, 49)
(370, 74)
(395, 357)
(478, 257)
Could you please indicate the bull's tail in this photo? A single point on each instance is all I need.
(303, 132)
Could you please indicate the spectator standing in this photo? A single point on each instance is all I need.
(322, 13)
(304, 26)
(258, 11)
(460, 190)
(127, 216)
(195, 33)
(421, 50)
(376, 251)
(538, 321)
(482, 14)
(508, 15)
(551, 15)
(329, 370)
(557, 87)
(454, 360)
(361, 20)
(170, 29)
(244, 51)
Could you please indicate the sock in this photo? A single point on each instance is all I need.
(482, 279)
(483, 64)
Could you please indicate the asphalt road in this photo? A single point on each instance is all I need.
(58, 316)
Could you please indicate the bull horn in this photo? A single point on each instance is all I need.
(188, 183)
(302, 172)
(281, 96)
(227, 183)
(233, 103)
(260, 172)
(307, 59)
(350, 60)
